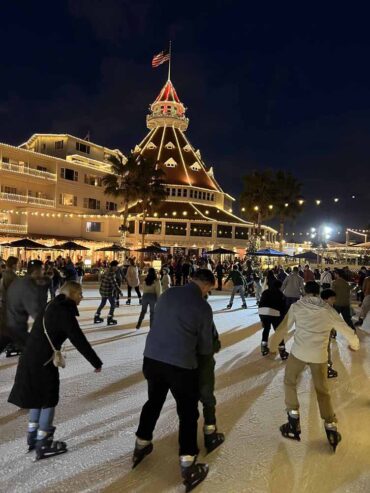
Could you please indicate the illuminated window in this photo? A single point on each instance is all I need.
(224, 231)
(83, 147)
(67, 199)
(176, 229)
(200, 229)
(151, 227)
(93, 227)
(93, 180)
(241, 233)
(170, 163)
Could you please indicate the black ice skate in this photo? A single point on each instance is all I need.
(193, 475)
(292, 429)
(244, 305)
(264, 349)
(331, 372)
(12, 350)
(213, 440)
(111, 320)
(229, 306)
(140, 302)
(334, 437)
(31, 440)
(128, 302)
(47, 447)
(98, 319)
(140, 453)
(283, 353)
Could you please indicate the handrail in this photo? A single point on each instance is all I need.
(15, 197)
(16, 168)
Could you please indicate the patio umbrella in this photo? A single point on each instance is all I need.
(269, 252)
(221, 251)
(152, 249)
(27, 244)
(70, 245)
(113, 248)
(308, 256)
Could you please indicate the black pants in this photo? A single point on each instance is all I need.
(345, 311)
(267, 321)
(137, 289)
(112, 302)
(207, 387)
(183, 385)
(219, 283)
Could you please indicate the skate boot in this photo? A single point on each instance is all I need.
(141, 451)
(264, 349)
(244, 305)
(128, 301)
(212, 439)
(333, 334)
(111, 320)
(191, 472)
(229, 306)
(140, 302)
(292, 429)
(31, 440)
(98, 319)
(12, 350)
(47, 447)
(331, 372)
(334, 437)
(283, 353)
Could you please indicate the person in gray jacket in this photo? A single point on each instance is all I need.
(25, 298)
(293, 287)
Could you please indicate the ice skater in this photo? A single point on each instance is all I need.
(36, 385)
(238, 286)
(151, 292)
(313, 320)
(328, 295)
(108, 291)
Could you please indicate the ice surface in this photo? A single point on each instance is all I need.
(98, 415)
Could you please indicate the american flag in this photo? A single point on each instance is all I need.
(163, 56)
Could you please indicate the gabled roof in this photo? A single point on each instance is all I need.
(168, 93)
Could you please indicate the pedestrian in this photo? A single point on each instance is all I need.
(328, 295)
(238, 286)
(343, 296)
(166, 279)
(8, 276)
(108, 289)
(80, 271)
(293, 287)
(308, 274)
(36, 385)
(220, 271)
(313, 320)
(272, 309)
(270, 278)
(133, 281)
(257, 287)
(326, 278)
(181, 331)
(69, 271)
(364, 315)
(151, 292)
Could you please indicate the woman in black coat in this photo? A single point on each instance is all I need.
(36, 385)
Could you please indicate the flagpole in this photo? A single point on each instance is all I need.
(169, 61)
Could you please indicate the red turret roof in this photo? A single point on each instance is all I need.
(168, 93)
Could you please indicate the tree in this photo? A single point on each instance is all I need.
(122, 183)
(257, 196)
(286, 199)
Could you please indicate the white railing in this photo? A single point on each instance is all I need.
(24, 199)
(16, 168)
(13, 228)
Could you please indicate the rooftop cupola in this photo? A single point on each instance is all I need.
(167, 110)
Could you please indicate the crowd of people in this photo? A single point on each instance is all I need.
(182, 340)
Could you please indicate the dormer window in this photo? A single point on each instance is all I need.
(195, 166)
(170, 163)
(170, 145)
(151, 146)
(187, 148)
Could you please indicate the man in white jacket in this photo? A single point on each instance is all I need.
(313, 320)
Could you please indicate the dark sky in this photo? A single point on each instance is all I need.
(284, 88)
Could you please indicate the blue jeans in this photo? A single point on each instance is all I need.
(237, 289)
(148, 299)
(42, 418)
(112, 302)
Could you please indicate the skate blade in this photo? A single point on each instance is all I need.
(53, 454)
(335, 445)
(214, 446)
(190, 486)
(291, 436)
(136, 461)
(331, 375)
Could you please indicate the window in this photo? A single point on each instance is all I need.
(67, 199)
(176, 229)
(170, 163)
(5, 159)
(241, 233)
(83, 147)
(93, 180)
(191, 194)
(224, 231)
(173, 192)
(179, 192)
(213, 197)
(200, 229)
(184, 192)
(69, 174)
(168, 191)
(195, 194)
(59, 144)
(204, 195)
(6, 189)
(110, 206)
(91, 203)
(131, 227)
(93, 227)
(42, 168)
(151, 227)
(208, 196)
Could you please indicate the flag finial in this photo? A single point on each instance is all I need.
(169, 60)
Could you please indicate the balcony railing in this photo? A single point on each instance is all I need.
(25, 170)
(13, 228)
(27, 199)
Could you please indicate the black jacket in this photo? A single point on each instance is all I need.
(273, 298)
(37, 386)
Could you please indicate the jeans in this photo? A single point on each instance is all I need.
(112, 302)
(207, 397)
(184, 387)
(293, 370)
(345, 311)
(237, 289)
(129, 288)
(267, 321)
(149, 299)
(42, 418)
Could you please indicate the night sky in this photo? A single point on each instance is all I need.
(265, 87)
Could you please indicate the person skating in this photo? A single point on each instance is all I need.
(328, 295)
(271, 310)
(293, 287)
(313, 320)
(151, 292)
(342, 290)
(108, 289)
(165, 280)
(36, 385)
(182, 330)
(8, 276)
(238, 286)
(219, 271)
(133, 281)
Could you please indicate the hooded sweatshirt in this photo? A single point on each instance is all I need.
(313, 320)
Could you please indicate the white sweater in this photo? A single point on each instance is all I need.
(313, 320)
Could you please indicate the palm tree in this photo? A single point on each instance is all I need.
(122, 183)
(257, 199)
(287, 199)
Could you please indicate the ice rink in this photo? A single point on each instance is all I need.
(98, 415)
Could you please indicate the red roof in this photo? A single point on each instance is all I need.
(168, 93)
